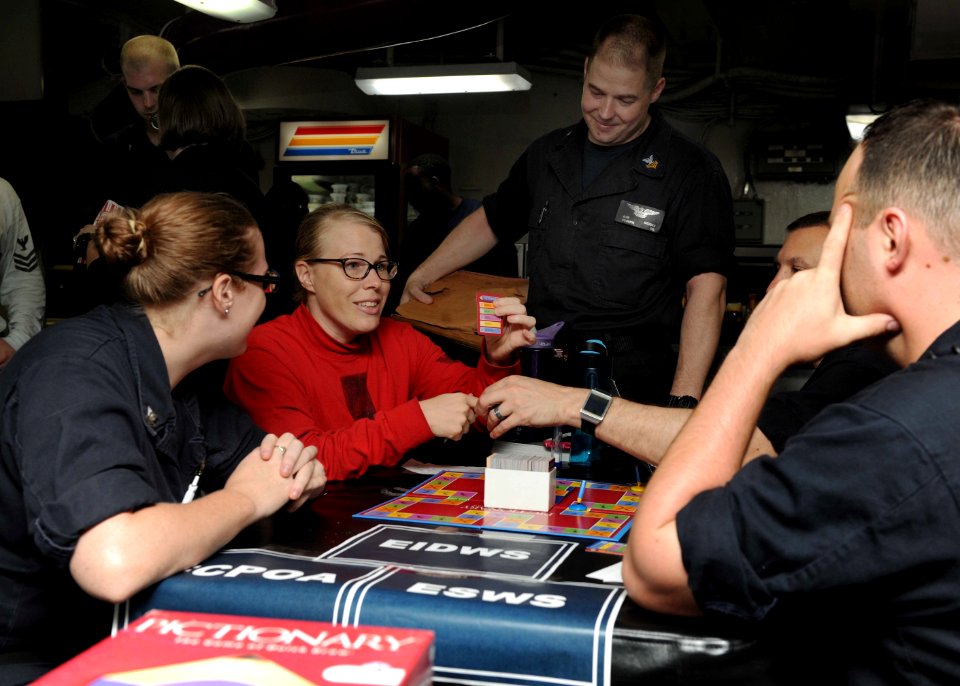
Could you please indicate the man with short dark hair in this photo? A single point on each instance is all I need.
(852, 529)
(626, 219)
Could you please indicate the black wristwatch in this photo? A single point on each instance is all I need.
(594, 410)
(687, 401)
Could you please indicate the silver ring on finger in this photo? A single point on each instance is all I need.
(496, 413)
(281, 448)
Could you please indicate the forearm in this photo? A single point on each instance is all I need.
(23, 296)
(470, 240)
(644, 431)
(130, 551)
(759, 445)
(647, 431)
(699, 333)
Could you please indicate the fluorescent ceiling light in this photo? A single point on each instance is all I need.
(857, 124)
(242, 11)
(446, 78)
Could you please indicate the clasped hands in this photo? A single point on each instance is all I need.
(282, 471)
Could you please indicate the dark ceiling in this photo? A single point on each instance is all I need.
(732, 57)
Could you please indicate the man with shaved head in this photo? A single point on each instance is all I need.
(146, 62)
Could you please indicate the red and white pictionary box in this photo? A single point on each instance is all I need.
(188, 648)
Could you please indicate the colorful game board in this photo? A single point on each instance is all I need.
(456, 499)
(608, 547)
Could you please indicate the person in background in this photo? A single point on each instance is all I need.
(22, 291)
(287, 204)
(116, 470)
(801, 247)
(136, 157)
(626, 218)
(146, 62)
(429, 190)
(854, 525)
(363, 390)
(839, 374)
(646, 431)
(128, 161)
(203, 132)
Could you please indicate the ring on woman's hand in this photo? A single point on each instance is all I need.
(281, 448)
(496, 413)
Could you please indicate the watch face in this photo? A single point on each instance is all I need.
(595, 407)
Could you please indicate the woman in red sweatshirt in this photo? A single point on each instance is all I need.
(362, 390)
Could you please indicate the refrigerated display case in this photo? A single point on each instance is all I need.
(355, 161)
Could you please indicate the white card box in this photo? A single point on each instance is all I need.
(514, 489)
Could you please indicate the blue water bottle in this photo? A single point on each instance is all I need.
(595, 364)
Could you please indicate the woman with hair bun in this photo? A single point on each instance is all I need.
(106, 446)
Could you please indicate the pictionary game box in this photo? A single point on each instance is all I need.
(167, 648)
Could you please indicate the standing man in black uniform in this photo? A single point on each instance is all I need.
(626, 218)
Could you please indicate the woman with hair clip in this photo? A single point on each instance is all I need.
(363, 390)
(106, 447)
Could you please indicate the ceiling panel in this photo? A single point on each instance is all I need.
(742, 52)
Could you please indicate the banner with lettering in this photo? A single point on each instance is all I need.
(497, 554)
(489, 629)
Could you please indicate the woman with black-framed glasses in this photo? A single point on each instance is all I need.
(363, 390)
(117, 468)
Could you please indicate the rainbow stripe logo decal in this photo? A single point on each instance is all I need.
(342, 140)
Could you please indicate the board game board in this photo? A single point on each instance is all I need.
(456, 499)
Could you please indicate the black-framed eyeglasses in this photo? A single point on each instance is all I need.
(357, 268)
(268, 282)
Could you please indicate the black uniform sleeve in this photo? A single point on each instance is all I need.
(82, 455)
(706, 240)
(508, 208)
(841, 374)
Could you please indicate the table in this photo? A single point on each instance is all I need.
(645, 648)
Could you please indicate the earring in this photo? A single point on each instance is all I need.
(226, 311)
